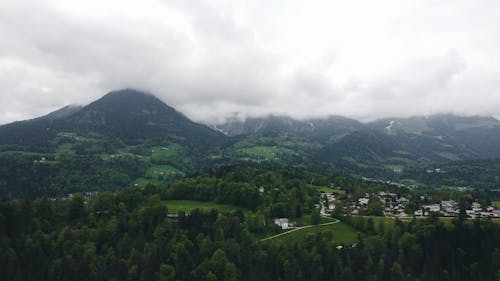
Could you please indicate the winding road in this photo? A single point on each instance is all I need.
(296, 229)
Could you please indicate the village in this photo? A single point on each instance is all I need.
(391, 204)
(394, 205)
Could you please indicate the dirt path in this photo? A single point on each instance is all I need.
(296, 229)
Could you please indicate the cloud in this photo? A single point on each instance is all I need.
(215, 59)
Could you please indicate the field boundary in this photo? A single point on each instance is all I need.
(297, 229)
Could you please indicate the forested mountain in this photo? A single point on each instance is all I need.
(127, 137)
(314, 129)
(438, 137)
(130, 137)
(128, 115)
(462, 137)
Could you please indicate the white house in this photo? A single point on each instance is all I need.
(282, 222)
(432, 207)
(363, 201)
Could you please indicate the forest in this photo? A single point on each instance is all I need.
(131, 235)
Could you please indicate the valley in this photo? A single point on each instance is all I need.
(128, 174)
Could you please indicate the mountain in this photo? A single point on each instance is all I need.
(435, 125)
(441, 137)
(132, 115)
(313, 129)
(128, 115)
(130, 137)
(63, 112)
(453, 137)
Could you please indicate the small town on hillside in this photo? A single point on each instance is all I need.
(392, 204)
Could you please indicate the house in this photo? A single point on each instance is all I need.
(283, 223)
(419, 213)
(432, 207)
(403, 200)
(173, 217)
(449, 207)
(470, 213)
(496, 213)
(363, 201)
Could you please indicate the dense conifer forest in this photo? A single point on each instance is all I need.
(131, 235)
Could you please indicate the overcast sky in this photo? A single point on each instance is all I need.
(213, 59)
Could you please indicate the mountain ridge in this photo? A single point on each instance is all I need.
(133, 116)
(128, 114)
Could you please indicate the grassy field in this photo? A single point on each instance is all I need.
(395, 168)
(157, 174)
(157, 171)
(66, 148)
(23, 153)
(342, 233)
(161, 153)
(496, 204)
(306, 219)
(260, 152)
(175, 206)
(327, 189)
(144, 181)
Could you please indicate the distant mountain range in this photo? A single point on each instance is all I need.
(134, 116)
(136, 124)
(440, 137)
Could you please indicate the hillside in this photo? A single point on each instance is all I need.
(128, 114)
(128, 137)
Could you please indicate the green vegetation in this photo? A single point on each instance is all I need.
(146, 181)
(128, 235)
(341, 232)
(395, 168)
(162, 153)
(161, 172)
(307, 220)
(132, 171)
(327, 189)
(175, 206)
(66, 149)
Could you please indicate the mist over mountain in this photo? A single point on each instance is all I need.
(128, 114)
(318, 129)
(128, 136)
(133, 116)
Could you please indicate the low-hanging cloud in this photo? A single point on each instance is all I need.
(217, 59)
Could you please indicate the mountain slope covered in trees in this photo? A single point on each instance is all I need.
(132, 138)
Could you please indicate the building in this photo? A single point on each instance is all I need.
(283, 223)
(432, 207)
(363, 201)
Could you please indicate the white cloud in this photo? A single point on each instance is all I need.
(213, 59)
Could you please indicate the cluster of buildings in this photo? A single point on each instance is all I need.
(450, 208)
(41, 160)
(86, 196)
(355, 206)
(394, 205)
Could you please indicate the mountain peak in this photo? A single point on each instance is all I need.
(129, 115)
(130, 101)
(127, 93)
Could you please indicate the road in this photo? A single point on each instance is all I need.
(297, 229)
